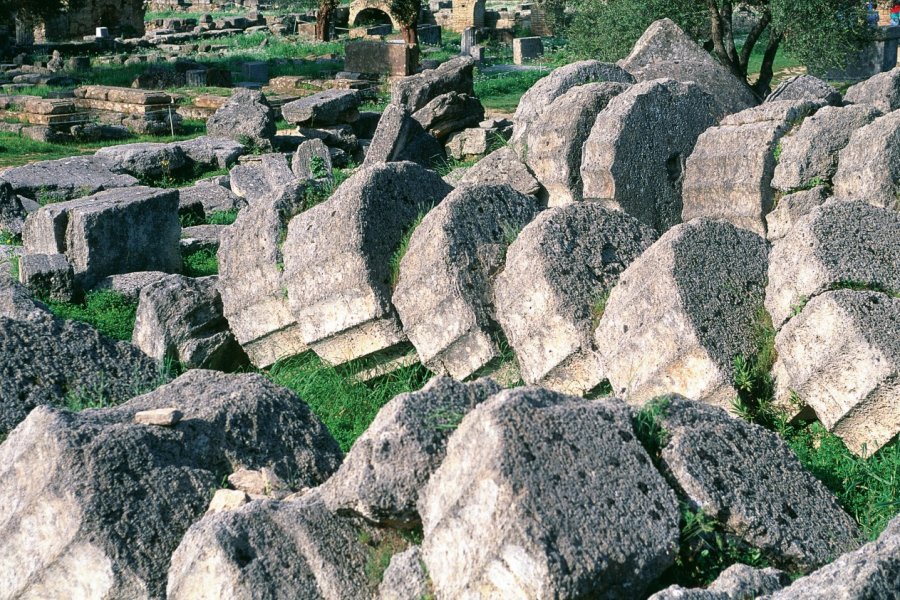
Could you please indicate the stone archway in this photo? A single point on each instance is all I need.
(359, 6)
(467, 13)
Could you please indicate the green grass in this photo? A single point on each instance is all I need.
(14, 267)
(9, 239)
(502, 91)
(111, 313)
(222, 217)
(201, 263)
(320, 192)
(345, 405)
(402, 247)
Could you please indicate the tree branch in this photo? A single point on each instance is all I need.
(752, 38)
(761, 88)
(726, 16)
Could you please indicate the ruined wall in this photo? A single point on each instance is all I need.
(121, 17)
(467, 13)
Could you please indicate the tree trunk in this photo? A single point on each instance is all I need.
(323, 23)
(752, 38)
(761, 88)
(411, 33)
(721, 35)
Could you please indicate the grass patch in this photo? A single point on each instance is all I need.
(9, 239)
(201, 263)
(598, 307)
(222, 217)
(344, 404)
(109, 312)
(502, 91)
(14, 267)
(381, 547)
(402, 247)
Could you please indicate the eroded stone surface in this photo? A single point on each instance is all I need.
(502, 167)
(869, 166)
(881, 91)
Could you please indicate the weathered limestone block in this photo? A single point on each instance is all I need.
(13, 210)
(130, 284)
(444, 294)
(873, 571)
(805, 87)
(206, 197)
(210, 151)
(729, 174)
(385, 471)
(55, 358)
(474, 141)
(839, 242)
(502, 167)
(634, 157)
(201, 237)
(144, 159)
(737, 582)
(117, 231)
(48, 276)
(881, 91)
(536, 100)
(568, 259)
(252, 282)
(448, 113)
(415, 91)
(180, 318)
(312, 161)
(664, 50)
(556, 139)
(405, 578)
(841, 357)
(66, 178)
(749, 479)
(869, 166)
(259, 179)
(63, 528)
(246, 117)
(329, 107)
(399, 137)
(681, 313)
(339, 286)
(270, 549)
(791, 208)
(512, 512)
(809, 154)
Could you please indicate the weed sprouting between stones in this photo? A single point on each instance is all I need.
(201, 263)
(402, 247)
(109, 312)
(647, 427)
(382, 546)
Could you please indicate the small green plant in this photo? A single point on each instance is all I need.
(109, 312)
(598, 308)
(14, 267)
(859, 286)
(318, 168)
(402, 247)
(797, 308)
(9, 239)
(201, 263)
(776, 154)
(222, 217)
(445, 419)
(647, 426)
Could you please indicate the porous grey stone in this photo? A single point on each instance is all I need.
(835, 243)
(201, 237)
(209, 151)
(130, 284)
(789, 209)
(448, 113)
(444, 293)
(415, 91)
(312, 161)
(328, 107)
(339, 286)
(48, 276)
(568, 259)
(258, 179)
(809, 154)
(145, 159)
(66, 178)
(502, 167)
(336, 137)
(881, 91)
(729, 174)
(681, 313)
(515, 508)
(180, 319)
(246, 117)
(737, 582)
(474, 141)
(117, 231)
(405, 578)
(383, 474)
(63, 528)
(869, 166)
(251, 278)
(634, 157)
(56, 359)
(556, 139)
(805, 87)
(840, 356)
(873, 571)
(664, 50)
(749, 479)
(207, 197)
(400, 137)
(270, 549)
(12, 210)
(536, 100)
